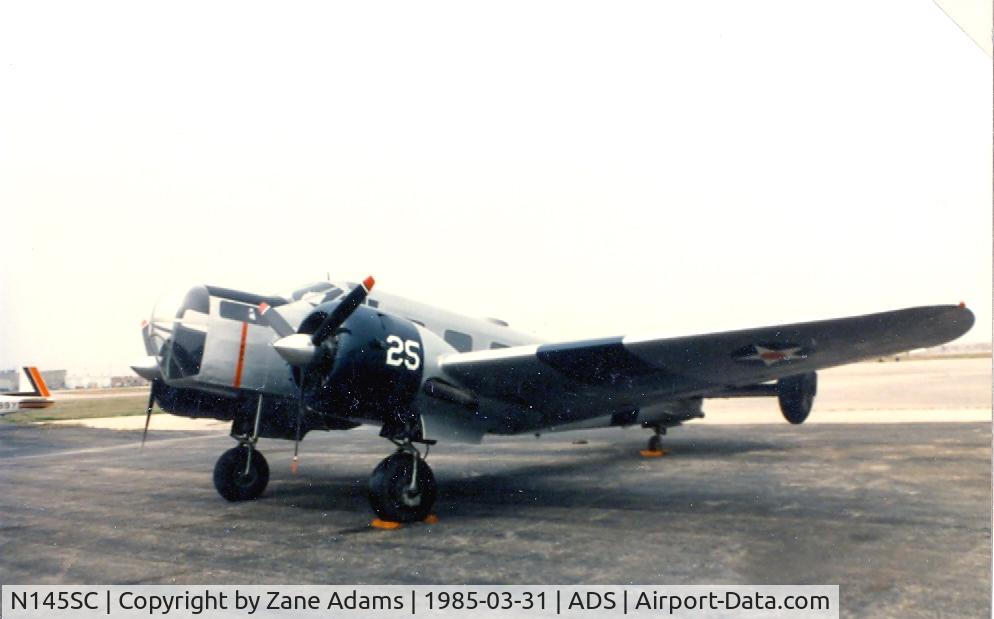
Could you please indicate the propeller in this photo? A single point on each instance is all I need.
(150, 348)
(300, 422)
(300, 349)
(148, 411)
(148, 368)
(342, 312)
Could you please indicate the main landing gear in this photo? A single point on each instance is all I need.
(241, 473)
(796, 395)
(402, 487)
(655, 446)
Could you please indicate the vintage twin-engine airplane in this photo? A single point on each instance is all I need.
(326, 358)
(38, 397)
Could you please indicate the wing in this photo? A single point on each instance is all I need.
(571, 380)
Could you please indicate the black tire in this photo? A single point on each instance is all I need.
(389, 486)
(655, 443)
(230, 479)
(797, 395)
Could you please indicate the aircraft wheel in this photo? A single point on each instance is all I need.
(390, 492)
(231, 480)
(797, 395)
(655, 443)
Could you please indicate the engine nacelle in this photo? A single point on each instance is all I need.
(371, 368)
(796, 395)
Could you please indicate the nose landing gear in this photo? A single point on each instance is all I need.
(241, 473)
(402, 487)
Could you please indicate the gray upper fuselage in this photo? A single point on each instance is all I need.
(484, 333)
(218, 343)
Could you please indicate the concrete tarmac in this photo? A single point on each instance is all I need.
(899, 515)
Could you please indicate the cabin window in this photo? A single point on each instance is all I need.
(331, 295)
(239, 312)
(496, 345)
(459, 341)
(373, 302)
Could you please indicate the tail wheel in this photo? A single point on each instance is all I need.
(797, 395)
(390, 490)
(231, 479)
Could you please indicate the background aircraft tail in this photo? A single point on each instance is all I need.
(37, 383)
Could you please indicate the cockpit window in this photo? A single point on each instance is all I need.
(197, 299)
(331, 295)
(244, 297)
(299, 293)
(178, 331)
(183, 352)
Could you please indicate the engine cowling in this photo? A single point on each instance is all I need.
(796, 395)
(370, 368)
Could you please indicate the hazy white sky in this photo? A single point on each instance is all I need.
(577, 168)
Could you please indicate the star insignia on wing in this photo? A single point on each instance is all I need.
(770, 356)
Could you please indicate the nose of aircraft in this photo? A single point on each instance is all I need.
(177, 331)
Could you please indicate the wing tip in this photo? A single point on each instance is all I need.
(960, 320)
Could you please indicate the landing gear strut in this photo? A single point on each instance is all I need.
(241, 473)
(402, 487)
(655, 447)
(656, 440)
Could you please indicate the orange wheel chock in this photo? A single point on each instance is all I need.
(385, 524)
(653, 453)
(431, 519)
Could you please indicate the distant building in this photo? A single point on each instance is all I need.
(14, 380)
(9, 380)
(127, 381)
(88, 382)
(55, 379)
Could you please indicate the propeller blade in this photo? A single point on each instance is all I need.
(342, 312)
(274, 321)
(150, 348)
(300, 422)
(148, 368)
(148, 411)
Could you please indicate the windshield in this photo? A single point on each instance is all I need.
(178, 330)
